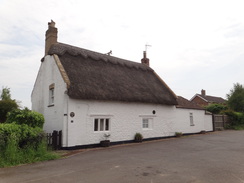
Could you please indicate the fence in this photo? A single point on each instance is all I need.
(220, 121)
(54, 140)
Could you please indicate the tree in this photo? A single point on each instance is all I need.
(236, 98)
(6, 94)
(6, 104)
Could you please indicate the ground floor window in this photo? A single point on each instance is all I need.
(191, 119)
(101, 124)
(147, 123)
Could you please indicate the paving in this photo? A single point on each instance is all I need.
(216, 157)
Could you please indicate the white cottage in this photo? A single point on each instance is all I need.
(88, 94)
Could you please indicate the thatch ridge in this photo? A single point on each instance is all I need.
(61, 49)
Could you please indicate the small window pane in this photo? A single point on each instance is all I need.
(107, 125)
(145, 123)
(101, 124)
(96, 125)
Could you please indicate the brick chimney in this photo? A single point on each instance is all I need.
(203, 92)
(145, 60)
(51, 36)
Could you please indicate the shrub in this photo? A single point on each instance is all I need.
(138, 137)
(26, 116)
(23, 135)
(178, 134)
(216, 108)
(236, 118)
(22, 144)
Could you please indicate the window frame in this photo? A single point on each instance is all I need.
(101, 124)
(147, 123)
(191, 119)
(51, 95)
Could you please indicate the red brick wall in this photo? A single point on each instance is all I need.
(199, 101)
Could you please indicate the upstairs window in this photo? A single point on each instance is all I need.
(101, 124)
(51, 95)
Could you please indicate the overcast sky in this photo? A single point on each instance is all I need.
(196, 44)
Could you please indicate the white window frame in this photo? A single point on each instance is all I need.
(191, 119)
(51, 94)
(101, 124)
(147, 123)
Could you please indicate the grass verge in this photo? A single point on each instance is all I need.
(12, 155)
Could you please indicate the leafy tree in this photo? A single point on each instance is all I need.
(216, 108)
(5, 107)
(236, 98)
(5, 95)
(26, 116)
(6, 104)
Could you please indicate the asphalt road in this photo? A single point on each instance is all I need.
(210, 158)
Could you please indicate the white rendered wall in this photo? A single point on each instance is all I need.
(126, 120)
(47, 75)
(200, 120)
(208, 122)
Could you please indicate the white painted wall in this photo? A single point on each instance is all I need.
(200, 119)
(208, 122)
(126, 120)
(48, 74)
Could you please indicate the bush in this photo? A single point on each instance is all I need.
(216, 108)
(22, 134)
(236, 118)
(138, 137)
(26, 116)
(178, 134)
(22, 144)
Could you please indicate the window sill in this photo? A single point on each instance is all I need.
(101, 131)
(146, 129)
(50, 105)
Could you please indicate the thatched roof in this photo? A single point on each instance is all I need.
(184, 103)
(96, 76)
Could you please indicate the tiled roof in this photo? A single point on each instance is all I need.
(213, 99)
(184, 103)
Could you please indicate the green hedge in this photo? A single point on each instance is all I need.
(236, 118)
(22, 134)
(26, 116)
